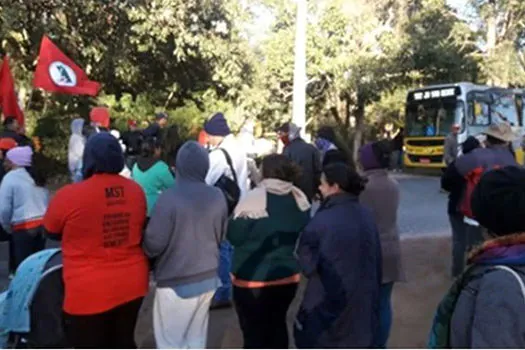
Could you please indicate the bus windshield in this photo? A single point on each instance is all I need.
(503, 109)
(433, 117)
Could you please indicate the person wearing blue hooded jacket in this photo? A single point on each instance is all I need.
(340, 254)
(100, 222)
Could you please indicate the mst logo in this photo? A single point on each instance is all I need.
(114, 192)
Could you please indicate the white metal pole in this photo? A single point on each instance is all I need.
(299, 83)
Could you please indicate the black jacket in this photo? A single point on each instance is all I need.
(309, 160)
(133, 141)
(153, 131)
(454, 184)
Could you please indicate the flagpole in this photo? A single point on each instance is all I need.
(299, 83)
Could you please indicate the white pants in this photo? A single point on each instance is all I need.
(180, 323)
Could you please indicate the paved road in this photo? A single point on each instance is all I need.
(423, 207)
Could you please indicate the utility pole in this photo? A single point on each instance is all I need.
(299, 81)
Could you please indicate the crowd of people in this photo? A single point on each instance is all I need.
(210, 229)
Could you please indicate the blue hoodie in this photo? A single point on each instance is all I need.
(103, 154)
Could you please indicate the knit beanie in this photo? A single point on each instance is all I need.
(367, 157)
(470, 144)
(327, 133)
(217, 126)
(498, 201)
(20, 156)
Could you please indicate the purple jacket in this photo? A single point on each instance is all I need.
(486, 158)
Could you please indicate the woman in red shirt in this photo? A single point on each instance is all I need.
(100, 222)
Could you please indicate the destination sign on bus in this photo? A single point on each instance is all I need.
(434, 93)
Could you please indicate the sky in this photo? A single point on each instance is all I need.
(258, 30)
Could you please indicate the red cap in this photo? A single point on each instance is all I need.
(100, 116)
(132, 122)
(7, 143)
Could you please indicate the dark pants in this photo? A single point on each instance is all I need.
(385, 315)
(113, 329)
(459, 243)
(25, 243)
(262, 315)
(396, 160)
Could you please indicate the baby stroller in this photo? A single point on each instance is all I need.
(31, 308)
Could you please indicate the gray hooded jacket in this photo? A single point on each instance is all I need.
(490, 312)
(187, 224)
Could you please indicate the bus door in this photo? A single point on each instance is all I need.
(478, 112)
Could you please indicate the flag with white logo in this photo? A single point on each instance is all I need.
(55, 72)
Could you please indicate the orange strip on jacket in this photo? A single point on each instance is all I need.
(28, 225)
(261, 284)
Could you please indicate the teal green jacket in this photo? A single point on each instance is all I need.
(264, 248)
(153, 180)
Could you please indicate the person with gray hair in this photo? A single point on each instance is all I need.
(305, 155)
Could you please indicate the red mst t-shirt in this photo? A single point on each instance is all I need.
(101, 221)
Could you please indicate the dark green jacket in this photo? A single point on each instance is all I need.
(264, 248)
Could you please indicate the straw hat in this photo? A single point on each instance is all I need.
(501, 131)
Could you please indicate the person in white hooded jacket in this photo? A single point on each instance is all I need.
(77, 142)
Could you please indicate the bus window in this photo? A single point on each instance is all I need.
(479, 113)
(433, 117)
(503, 110)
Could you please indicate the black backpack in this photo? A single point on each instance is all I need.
(229, 187)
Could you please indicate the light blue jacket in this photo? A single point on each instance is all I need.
(15, 303)
(20, 199)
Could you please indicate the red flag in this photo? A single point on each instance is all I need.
(8, 96)
(55, 72)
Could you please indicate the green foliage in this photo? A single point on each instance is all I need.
(192, 58)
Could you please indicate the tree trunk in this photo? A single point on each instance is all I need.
(359, 127)
(492, 37)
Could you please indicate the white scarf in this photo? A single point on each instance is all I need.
(253, 205)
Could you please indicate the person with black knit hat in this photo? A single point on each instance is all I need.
(485, 308)
(454, 184)
(326, 143)
(227, 158)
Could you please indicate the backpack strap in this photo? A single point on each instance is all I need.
(515, 274)
(230, 164)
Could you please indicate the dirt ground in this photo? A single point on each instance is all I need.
(427, 263)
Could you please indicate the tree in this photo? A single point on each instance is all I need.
(365, 52)
(502, 32)
(173, 48)
(149, 55)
